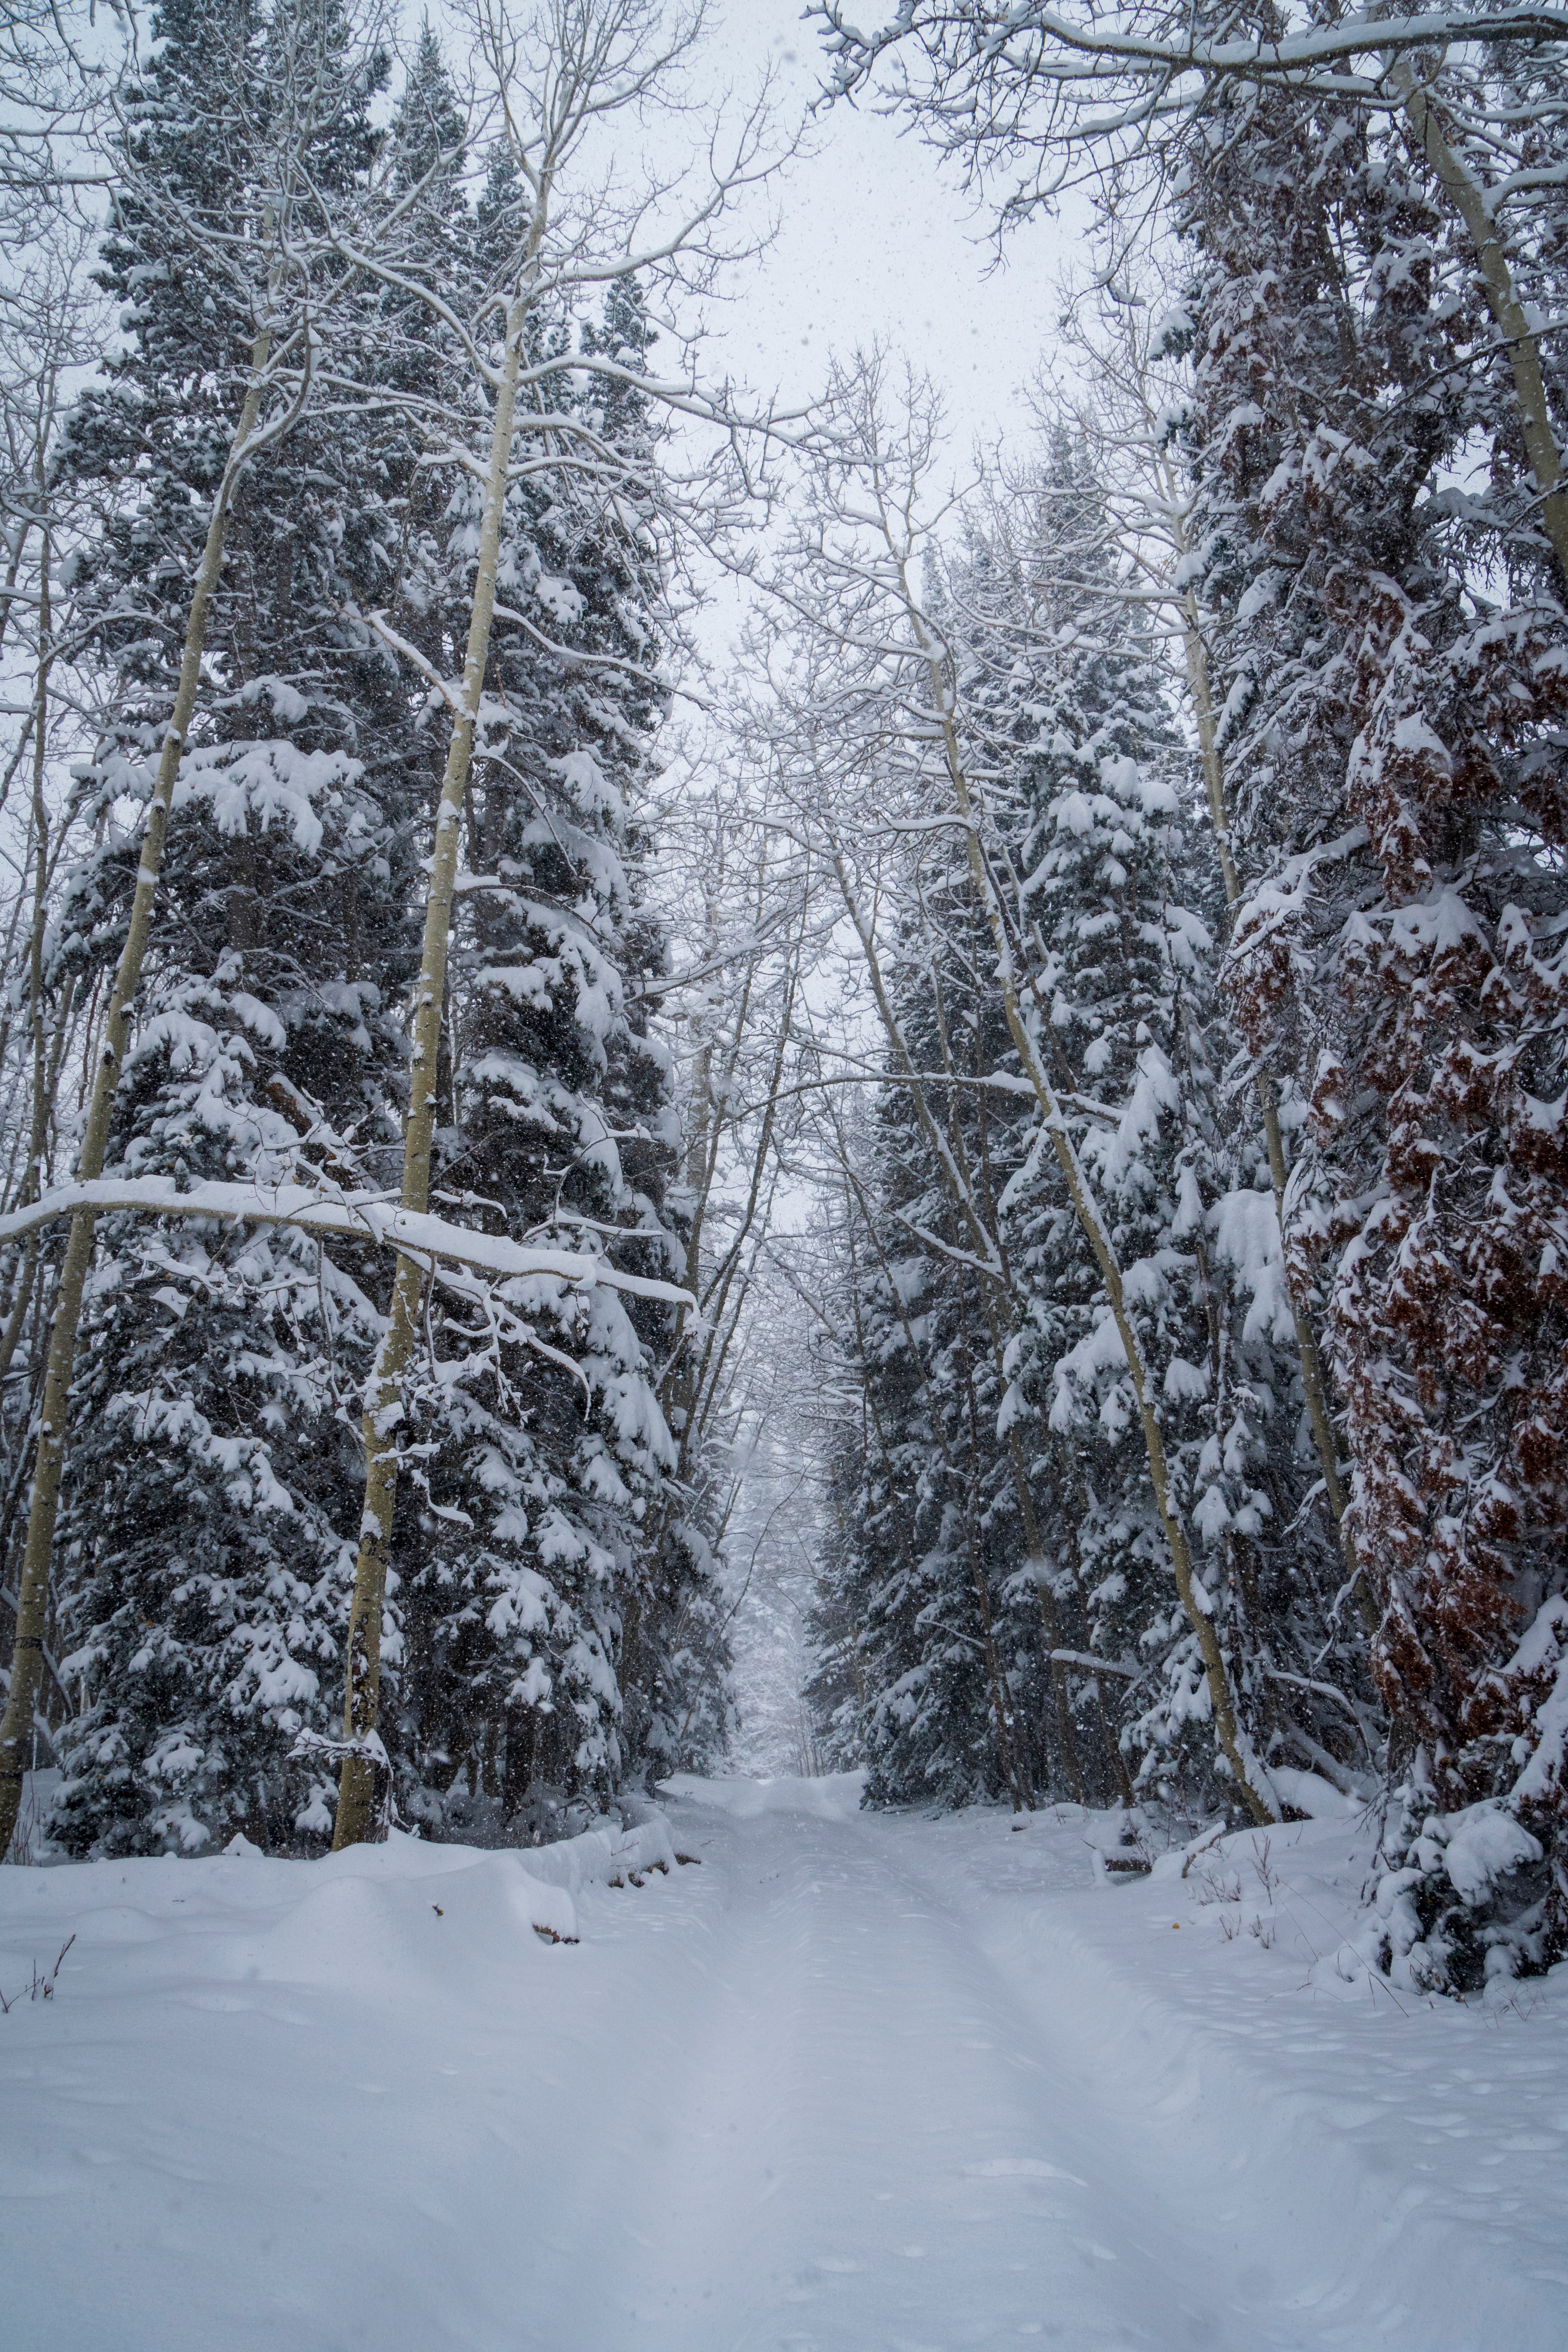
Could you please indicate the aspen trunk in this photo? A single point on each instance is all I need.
(46, 1064)
(1468, 199)
(682, 1380)
(1226, 1724)
(356, 1815)
(32, 1602)
(1222, 1702)
(21, 1299)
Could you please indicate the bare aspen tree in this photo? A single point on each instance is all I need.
(1086, 101)
(1477, 208)
(45, 318)
(16, 1727)
(741, 1000)
(61, 65)
(745, 901)
(356, 1810)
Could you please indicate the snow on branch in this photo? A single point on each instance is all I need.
(1093, 1665)
(359, 1217)
(1046, 43)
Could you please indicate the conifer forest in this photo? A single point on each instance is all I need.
(784, 1072)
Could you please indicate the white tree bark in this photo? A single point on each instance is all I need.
(356, 1814)
(28, 1660)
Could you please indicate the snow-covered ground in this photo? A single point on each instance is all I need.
(856, 2083)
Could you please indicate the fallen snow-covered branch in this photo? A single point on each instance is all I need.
(358, 1216)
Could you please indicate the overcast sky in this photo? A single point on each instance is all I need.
(877, 240)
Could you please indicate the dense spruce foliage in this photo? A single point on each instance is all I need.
(1396, 746)
(526, 1552)
(1001, 1406)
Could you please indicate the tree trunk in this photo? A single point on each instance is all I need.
(46, 1061)
(1469, 200)
(32, 1602)
(356, 1815)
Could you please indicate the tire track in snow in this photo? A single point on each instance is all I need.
(860, 2144)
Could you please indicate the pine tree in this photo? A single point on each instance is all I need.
(939, 1557)
(1392, 719)
(941, 1717)
(1115, 906)
(211, 1486)
(1051, 1540)
(537, 1446)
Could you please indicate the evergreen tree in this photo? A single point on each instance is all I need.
(929, 1545)
(939, 1561)
(1001, 1407)
(1393, 733)
(1117, 896)
(211, 1486)
(538, 1447)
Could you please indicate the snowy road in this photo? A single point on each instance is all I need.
(871, 2141)
(857, 2084)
